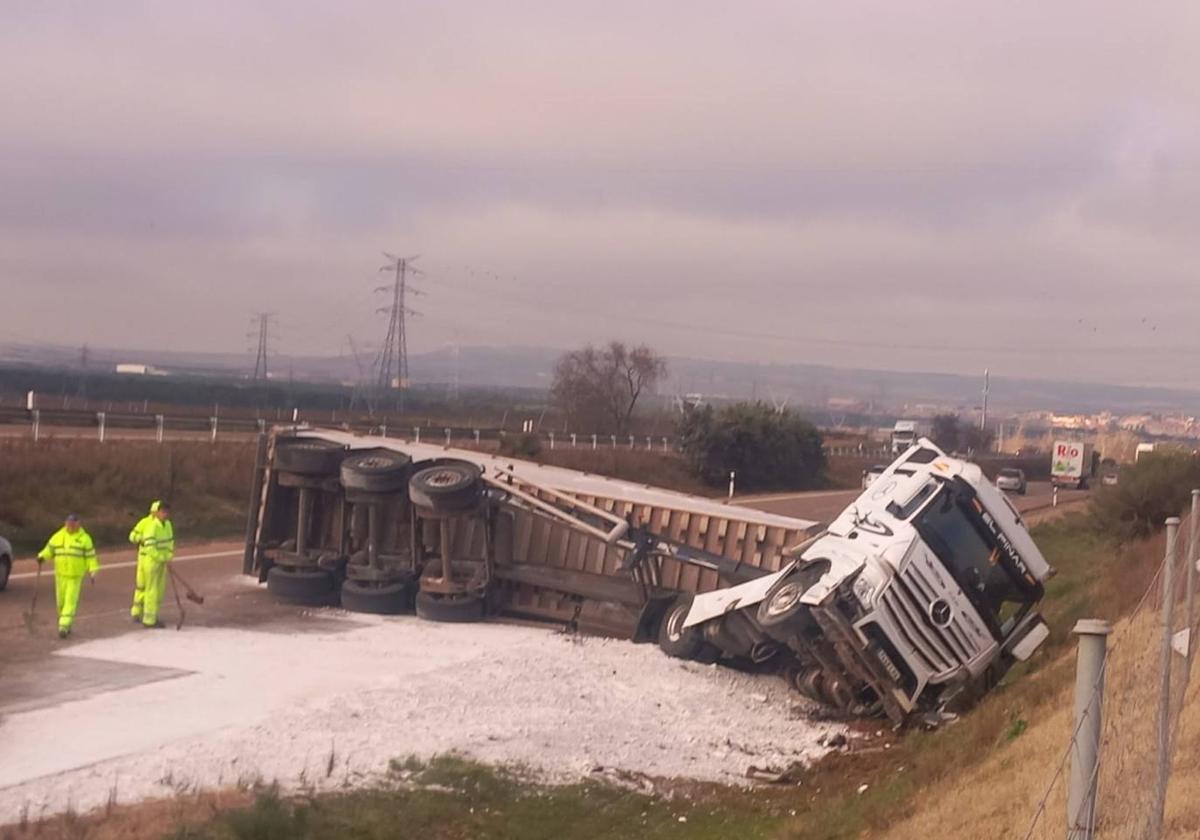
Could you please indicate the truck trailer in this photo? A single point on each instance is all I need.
(1073, 464)
(912, 603)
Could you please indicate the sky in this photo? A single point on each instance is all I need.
(930, 185)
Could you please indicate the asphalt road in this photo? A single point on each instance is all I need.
(213, 569)
(824, 505)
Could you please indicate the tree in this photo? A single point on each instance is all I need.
(975, 439)
(598, 388)
(946, 432)
(768, 450)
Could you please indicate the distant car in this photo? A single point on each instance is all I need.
(1011, 480)
(5, 562)
(872, 473)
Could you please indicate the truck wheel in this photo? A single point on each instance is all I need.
(781, 614)
(378, 598)
(308, 456)
(376, 471)
(5, 571)
(679, 641)
(452, 487)
(307, 586)
(450, 608)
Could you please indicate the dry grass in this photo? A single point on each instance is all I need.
(111, 484)
(148, 820)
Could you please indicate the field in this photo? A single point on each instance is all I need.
(110, 485)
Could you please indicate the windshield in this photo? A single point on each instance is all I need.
(950, 528)
(1010, 473)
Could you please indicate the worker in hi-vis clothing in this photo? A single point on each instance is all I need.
(74, 555)
(155, 538)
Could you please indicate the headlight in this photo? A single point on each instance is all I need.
(864, 591)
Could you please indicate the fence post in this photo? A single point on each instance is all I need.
(1190, 585)
(213, 421)
(158, 428)
(1054, 496)
(383, 429)
(664, 444)
(476, 437)
(649, 445)
(572, 440)
(732, 474)
(100, 417)
(1164, 698)
(551, 441)
(593, 441)
(614, 441)
(447, 436)
(37, 424)
(1089, 710)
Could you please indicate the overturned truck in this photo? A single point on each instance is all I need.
(912, 603)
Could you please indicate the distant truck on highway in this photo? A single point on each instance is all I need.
(904, 435)
(913, 603)
(1073, 464)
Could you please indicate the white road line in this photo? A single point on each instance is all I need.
(130, 563)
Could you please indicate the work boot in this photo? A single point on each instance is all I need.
(158, 625)
(63, 632)
(137, 619)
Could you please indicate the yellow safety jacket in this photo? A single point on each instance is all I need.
(74, 555)
(157, 539)
(136, 536)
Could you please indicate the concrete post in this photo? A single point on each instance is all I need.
(416, 434)
(1164, 698)
(1054, 496)
(593, 441)
(573, 436)
(476, 437)
(631, 441)
(1190, 579)
(1089, 710)
(213, 422)
(664, 444)
(100, 418)
(447, 436)
(158, 428)
(649, 444)
(732, 474)
(383, 429)
(551, 441)
(614, 441)
(37, 424)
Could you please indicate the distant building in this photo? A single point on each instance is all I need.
(137, 369)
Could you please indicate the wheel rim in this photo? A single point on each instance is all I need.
(786, 597)
(675, 624)
(443, 478)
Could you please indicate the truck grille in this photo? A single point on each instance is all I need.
(907, 602)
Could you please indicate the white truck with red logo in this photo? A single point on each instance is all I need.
(1072, 464)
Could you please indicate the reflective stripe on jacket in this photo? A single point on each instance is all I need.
(157, 539)
(74, 555)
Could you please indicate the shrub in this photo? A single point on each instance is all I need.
(1158, 486)
(768, 450)
(524, 445)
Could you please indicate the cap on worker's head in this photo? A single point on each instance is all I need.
(164, 505)
(72, 517)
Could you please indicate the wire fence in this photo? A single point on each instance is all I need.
(1122, 773)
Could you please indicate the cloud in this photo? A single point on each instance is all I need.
(929, 185)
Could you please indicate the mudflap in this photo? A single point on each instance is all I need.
(650, 617)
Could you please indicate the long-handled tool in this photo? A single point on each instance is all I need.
(178, 603)
(192, 595)
(29, 616)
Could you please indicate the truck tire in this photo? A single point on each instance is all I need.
(781, 614)
(5, 571)
(376, 471)
(449, 608)
(308, 586)
(451, 486)
(378, 598)
(308, 456)
(683, 642)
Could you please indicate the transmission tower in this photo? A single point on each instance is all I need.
(261, 325)
(393, 358)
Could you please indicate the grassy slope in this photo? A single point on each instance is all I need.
(112, 484)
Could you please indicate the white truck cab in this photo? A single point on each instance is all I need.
(921, 588)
